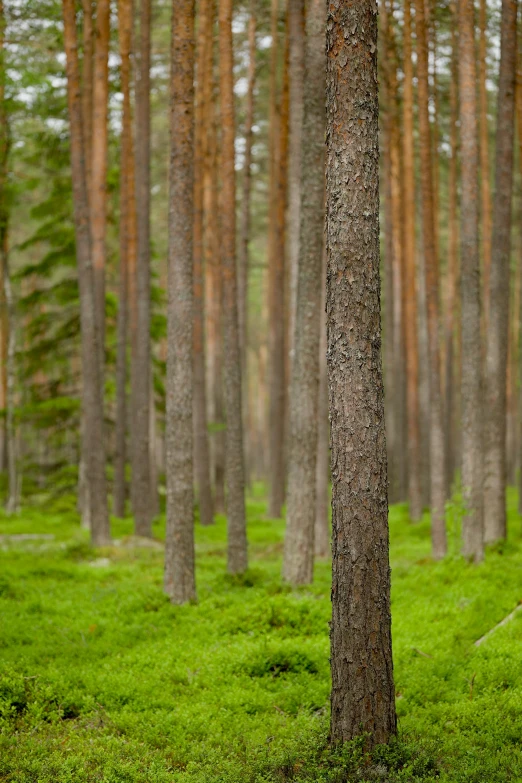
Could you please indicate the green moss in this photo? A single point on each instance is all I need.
(102, 679)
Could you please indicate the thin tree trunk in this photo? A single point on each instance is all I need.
(244, 238)
(298, 562)
(296, 39)
(4, 312)
(276, 279)
(471, 382)
(98, 189)
(410, 286)
(87, 85)
(518, 96)
(485, 217)
(141, 494)
(201, 445)
(498, 327)
(453, 260)
(322, 525)
(235, 468)
(437, 457)
(94, 446)
(12, 445)
(180, 583)
(363, 696)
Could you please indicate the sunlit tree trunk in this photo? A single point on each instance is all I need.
(87, 83)
(471, 383)
(437, 457)
(142, 489)
(363, 694)
(92, 392)
(298, 561)
(485, 217)
(235, 469)
(180, 583)
(498, 325)
(201, 445)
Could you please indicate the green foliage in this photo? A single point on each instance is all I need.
(102, 679)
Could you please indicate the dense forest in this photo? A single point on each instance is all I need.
(260, 338)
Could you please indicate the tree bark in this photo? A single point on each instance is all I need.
(127, 253)
(322, 501)
(276, 278)
(498, 328)
(471, 382)
(142, 489)
(485, 186)
(363, 699)
(94, 446)
(237, 559)
(87, 85)
(436, 424)
(410, 284)
(298, 562)
(4, 220)
(180, 583)
(296, 68)
(201, 445)
(99, 152)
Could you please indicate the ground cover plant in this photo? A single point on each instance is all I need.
(102, 679)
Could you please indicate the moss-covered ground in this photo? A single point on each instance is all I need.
(101, 679)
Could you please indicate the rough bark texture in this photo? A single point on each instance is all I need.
(363, 699)
(141, 361)
(518, 96)
(4, 220)
(296, 67)
(180, 582)
(437, 461)
(99, 151)
(201, 445)
(485, 186)
(471, 382)
(276, 278)
(498, 328)
(87, 84)
(127, 249)
(410, 283)
(235, 470)
(322, 525)
(92, 393)
(298, 562)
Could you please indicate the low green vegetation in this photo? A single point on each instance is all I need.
(101, 679)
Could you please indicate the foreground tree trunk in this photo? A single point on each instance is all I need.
(471, 381)
(485, 186)
(298, 563)
(99, 152)
(322, 525)
(201, 445)
(235, 467)
(92, 393)
(180, 583)
(142, 501)
(363, 699)
(437, 460)
(4, 221)
(498, 328)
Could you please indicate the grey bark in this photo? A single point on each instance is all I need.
(322, 500)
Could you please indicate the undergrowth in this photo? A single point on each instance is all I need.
(102, 679)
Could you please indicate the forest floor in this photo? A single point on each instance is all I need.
(101, 679)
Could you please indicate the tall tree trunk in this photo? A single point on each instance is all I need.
(298, 562)
(485, 217)
(235, 468)
(296, 68)
(127, 252)
(94, 446)
(141, 360)
(471, 380)
(437, 457)
(498, 328)
(363, 696)
(518, 95)
(201, 445)
(322, 525)
(87, 85)
(453, 260)
(410, 286)
(98, 190)
(276, 278)
(180, 583)
(4, 219)
(244, 238)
